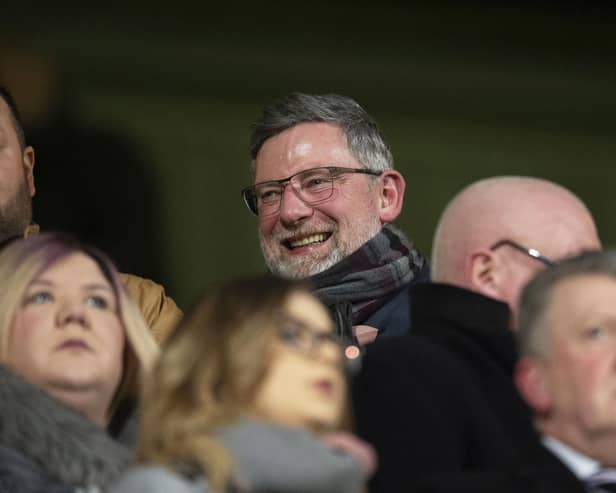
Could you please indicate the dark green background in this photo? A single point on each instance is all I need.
(461, 91)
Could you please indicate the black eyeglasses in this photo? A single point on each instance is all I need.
(531, 252)
(297, 335)
(313, 186)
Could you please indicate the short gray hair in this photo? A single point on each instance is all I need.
(537, 296)
(363, 136)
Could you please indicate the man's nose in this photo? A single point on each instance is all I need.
(292, 208)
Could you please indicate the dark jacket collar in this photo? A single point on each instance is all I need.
(445, 313)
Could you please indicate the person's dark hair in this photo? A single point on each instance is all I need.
(6, 96)
(536, 297)
(363, 136)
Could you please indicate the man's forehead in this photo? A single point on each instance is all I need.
(6, 121)
(585, 297)
(4, 107)
(558, 232)
(303, 146)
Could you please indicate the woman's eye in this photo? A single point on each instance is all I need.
(97, 302)
(39, 298)
(597, 332)
(290, 334)
(328, 337)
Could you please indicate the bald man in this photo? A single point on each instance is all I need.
(442, 400)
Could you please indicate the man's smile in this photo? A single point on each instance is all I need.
(303, 241)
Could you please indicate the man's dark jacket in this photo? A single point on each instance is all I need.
(442, 399)
(538, 471)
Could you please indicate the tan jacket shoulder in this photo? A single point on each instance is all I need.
(159, 310)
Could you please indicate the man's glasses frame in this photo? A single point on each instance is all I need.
(250, 194)
(531, 252)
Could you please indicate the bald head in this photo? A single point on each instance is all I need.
(531, 212)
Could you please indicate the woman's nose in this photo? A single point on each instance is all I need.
(72, 312)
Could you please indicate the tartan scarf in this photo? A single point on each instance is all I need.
(370, 276)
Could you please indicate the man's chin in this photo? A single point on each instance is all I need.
(300, 267)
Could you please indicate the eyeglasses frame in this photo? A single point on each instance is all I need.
(531, 252)
(335, 170)
(317, 339)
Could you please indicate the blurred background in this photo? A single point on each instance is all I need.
(140, 113)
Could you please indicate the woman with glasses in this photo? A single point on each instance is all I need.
(247, 396)
(72, 345)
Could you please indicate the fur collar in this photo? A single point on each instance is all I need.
(54, 439)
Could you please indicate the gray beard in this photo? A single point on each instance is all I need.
(303, 267)
(16, 214)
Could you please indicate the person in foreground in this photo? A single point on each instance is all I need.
(17, 189)
(453, 405)
(326, 195)
(72, 346)
(567, 374)
(247, 396)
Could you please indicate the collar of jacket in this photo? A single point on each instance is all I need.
(60, 442)
(444, 313)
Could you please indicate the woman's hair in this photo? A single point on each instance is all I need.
(208, 374)
(23, 261)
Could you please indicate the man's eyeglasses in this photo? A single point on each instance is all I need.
(531, 252)
(313, 186)
(299, 336)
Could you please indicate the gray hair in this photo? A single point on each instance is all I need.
(536, 298)
(363, 136)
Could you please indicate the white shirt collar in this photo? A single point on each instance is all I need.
(581, 465)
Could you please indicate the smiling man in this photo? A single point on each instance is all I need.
(325, 194)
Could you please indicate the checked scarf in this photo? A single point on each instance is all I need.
(361, 283)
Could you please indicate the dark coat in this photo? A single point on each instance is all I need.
(539, 471)
(442, 399)
(46, 447)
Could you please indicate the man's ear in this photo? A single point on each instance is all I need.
(391, 196)
(28, 160)
(531, 381)
(482, 271)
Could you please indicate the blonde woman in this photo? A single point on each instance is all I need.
(247, 396)
(72, 345)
